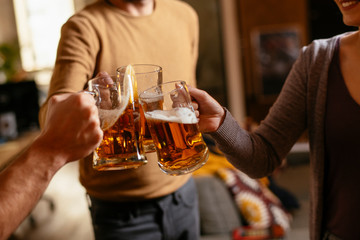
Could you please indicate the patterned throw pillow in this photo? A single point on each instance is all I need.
(258, 206)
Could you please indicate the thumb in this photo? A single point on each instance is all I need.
(196, 93)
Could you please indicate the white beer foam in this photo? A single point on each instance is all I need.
(178, 115)
(109, 117)
(150, 97)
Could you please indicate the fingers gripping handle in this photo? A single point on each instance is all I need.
(95, 93)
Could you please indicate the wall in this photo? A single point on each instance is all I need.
(232, 58)
(7, 19)
(265, 14)
(7, 22)
(9, 40)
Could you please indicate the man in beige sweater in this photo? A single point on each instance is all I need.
(142, 203)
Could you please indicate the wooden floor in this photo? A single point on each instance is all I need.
(296, 179)
(70, 219)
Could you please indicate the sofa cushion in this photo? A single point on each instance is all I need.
(256, 203)
(218, 212)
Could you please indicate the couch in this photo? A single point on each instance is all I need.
(222, 208)
(219, 215)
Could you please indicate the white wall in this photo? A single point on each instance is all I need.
(233, 64)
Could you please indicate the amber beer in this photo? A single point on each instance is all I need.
(121, 147)
(146, 75)
(147, 139)
(179, 143)
(121, 144)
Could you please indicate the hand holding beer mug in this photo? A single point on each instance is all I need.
(173, 127)
(145, 75)
(121, 147)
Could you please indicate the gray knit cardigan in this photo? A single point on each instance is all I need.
(299, 107)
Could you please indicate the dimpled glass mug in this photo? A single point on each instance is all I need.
(173, 127)
(121, 147)
(145, 76)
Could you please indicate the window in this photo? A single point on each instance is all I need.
(38, 26)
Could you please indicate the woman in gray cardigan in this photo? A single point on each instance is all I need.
(321, 95)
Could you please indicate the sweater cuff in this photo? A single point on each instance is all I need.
(227, 131)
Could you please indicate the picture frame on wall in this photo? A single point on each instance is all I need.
(275, 49)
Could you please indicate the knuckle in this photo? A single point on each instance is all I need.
(54, 99)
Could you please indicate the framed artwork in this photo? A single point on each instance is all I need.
(275, 49)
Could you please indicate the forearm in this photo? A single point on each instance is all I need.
(42, 114)
(258, 153)
(71, 131)
(246, 151)
(22, 185)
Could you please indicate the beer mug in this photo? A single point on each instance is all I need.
(121, 146)
(146, 76)
(173, 127)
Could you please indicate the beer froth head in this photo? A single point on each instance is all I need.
(169, 102)
(176, 115)
(111, 95)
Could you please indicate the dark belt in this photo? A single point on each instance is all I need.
(144, 206)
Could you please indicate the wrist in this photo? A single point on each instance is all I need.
(222, 117)
(43, 149)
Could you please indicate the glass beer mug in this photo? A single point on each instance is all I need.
(145, 76)
(173, 127)
(121, 147)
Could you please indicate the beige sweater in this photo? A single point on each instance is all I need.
(102, 38)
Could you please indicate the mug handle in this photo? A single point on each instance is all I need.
(94, 93)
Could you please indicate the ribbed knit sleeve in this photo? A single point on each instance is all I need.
(259, 153)
(248, 152)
